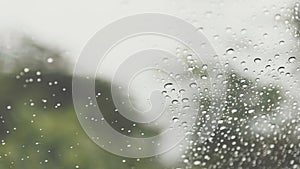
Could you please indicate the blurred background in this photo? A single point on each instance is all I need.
(258, 42)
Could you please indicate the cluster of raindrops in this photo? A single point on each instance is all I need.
(181, 90)
(294, 21)
(39, 94)
(31, 78)
(259, 126)
(194, 89)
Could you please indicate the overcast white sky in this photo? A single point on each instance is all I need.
(69, 24)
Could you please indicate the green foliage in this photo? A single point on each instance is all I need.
(36, 132)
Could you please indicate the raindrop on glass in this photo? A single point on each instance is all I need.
(168, 85)
(257, 60)
(292, 59)
(50, 60)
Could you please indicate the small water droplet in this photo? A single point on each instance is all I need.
(175, 119)
(277, 16)
(204, 77)
(281, 42)
(243, 31)
(165, 60)
(185, 100)
(200, 29)
(191, 68)
(197, 162)
(50, 60)
(230, 51)
(8, 107)
(181, 91)
(189, 57)
(257, 60)
(26, 69)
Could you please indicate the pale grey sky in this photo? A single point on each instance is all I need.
(69, 24)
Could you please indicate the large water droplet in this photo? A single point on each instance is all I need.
(292, 59)
(193, 85)
(230, 51)
(257, 60)
(168, 85)
(174, 101)
(281, 69)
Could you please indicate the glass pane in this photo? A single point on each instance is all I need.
(173, 84)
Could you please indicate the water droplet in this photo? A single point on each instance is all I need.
(185, 100)
(191, 68)
(281, 42)
(181, 91)
(168, 85)
(189, 57)
(206, 157)
(228, 29)
(200, 29)
(175, 119)
(265, 35)
(26, 69)
(277, 16)
(243, 31)
(292, 59)
(230, 51)
(204, 77)
(281, 69)
(197, 162)
(174, 101)
(251, 111)
(193, 85)
(50, 60)
(165, 60)
(8, 107)
(257, 60)
(268, 66)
